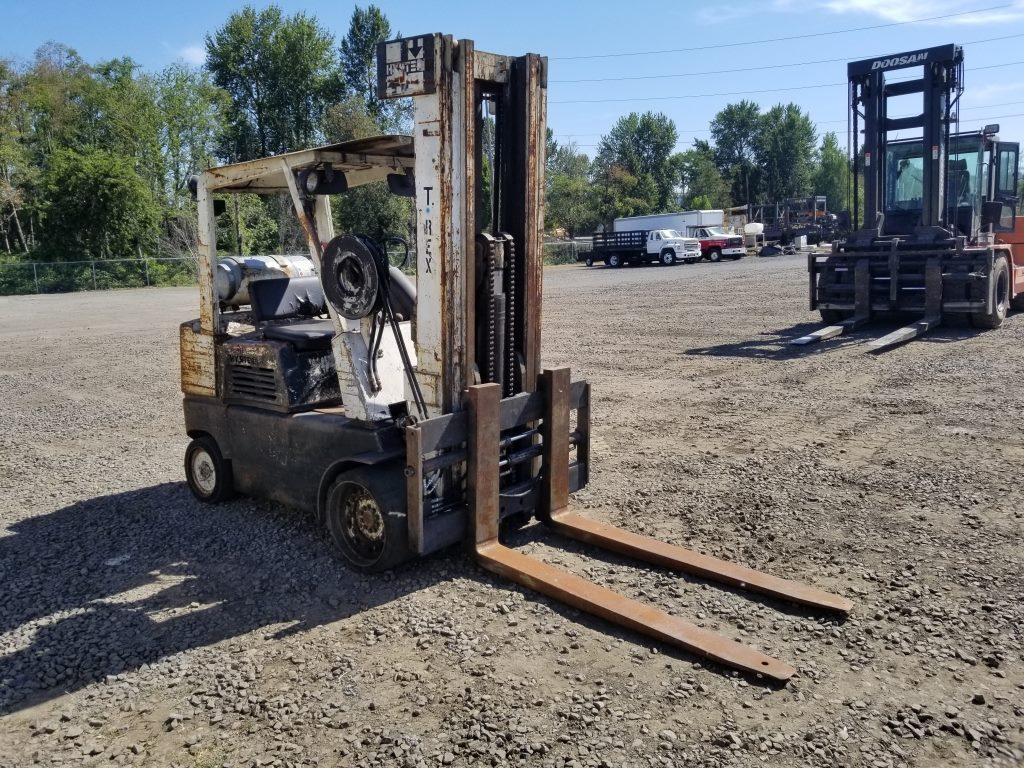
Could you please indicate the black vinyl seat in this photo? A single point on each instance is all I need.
(286, 309)
(305, 336)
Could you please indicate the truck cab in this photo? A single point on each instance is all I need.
(662, 242)
(640, 246)
(716, 243)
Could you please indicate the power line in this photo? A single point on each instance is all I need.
(751, 69)
(817, 122)
(828, 122)
(783, 39)
(697, 95)
(744, 93)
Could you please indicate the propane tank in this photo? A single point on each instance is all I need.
(234, 273)
(751, 232)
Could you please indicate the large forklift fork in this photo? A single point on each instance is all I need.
(481, 427)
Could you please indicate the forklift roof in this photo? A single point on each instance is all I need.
(361, 160)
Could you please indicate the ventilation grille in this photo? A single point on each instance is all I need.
(253, 383)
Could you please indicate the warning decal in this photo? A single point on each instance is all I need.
(405, 67)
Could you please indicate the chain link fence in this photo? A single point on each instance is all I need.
(566, 251)
(25, 277)
(28, 277)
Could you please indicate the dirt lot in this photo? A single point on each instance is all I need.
(139, 628)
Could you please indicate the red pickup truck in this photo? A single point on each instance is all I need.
(716, 244)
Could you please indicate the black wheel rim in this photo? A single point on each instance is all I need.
(362, 525)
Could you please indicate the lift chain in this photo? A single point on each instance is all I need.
(491, 264)
(511, 368)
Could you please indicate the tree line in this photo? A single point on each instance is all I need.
(95, 157)
(753, 156)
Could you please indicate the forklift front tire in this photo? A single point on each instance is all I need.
(366, 518)
(207, 473)
(999, 284)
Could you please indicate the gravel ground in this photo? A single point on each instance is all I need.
(139, 628)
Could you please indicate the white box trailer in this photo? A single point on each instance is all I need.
(680, 221)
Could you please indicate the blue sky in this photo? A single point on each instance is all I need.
(156, 33)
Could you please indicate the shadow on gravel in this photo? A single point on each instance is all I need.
(107, 585)
(644, 573)
(774, 345)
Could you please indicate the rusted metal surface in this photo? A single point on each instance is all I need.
(471, 158)
(198, 360)
(533, 212)
(451, 257)
(484, 401)
(491, 67)
(611, 606)
(209, 307)
(680, 559)
(414, 486)
(555, 431)
(485, 421)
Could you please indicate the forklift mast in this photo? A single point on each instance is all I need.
(940, 85)
(335, 414)
(940, 235)
(479, 308)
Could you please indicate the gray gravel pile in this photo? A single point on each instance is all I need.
(139, 628)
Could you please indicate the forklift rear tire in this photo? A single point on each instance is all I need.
(1000, 286)
(366, 518)
(207, 473)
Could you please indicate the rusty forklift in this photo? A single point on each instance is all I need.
(412, 417)
(941, 234)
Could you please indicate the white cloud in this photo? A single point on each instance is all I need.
(193, 54)
(725, 14)
(909, 10)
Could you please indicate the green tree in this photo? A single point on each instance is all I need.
(619, 193)
(192, 121)
(367, 27)
(348, 120)
(13, 161)
(785, 152)
(96, 206)
(246, 227)
(701, 183)
(369, 209)
(280, 73)
(832, 175)
(572, 204)
(735, 131)
(641, 146)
